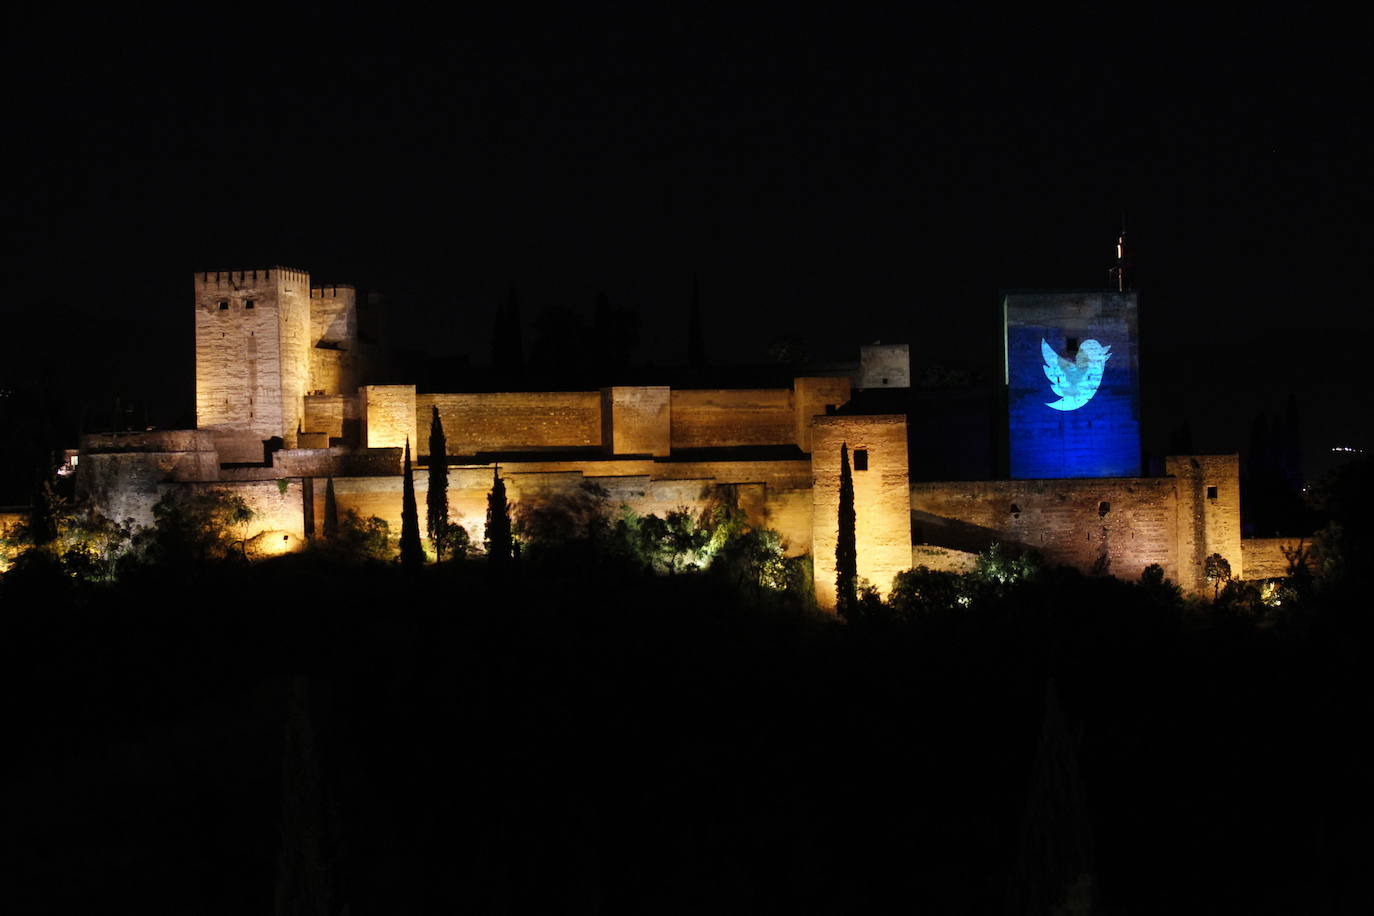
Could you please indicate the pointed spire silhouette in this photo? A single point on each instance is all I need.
(696, 343)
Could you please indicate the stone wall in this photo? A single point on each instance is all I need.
(278, 522)
(1208, 513)
(636, 421)
(511, 421)
(815, 397)
(388, 416)
(645, 420)
(1267, 558)
(882, 499)
(293, 298)
(332, 371)
(885, 366)
(334, 316)
(645, 494)
(342, 461)
(124, 474)
(712, 418)
(153, 440)
(127, 485)
(1115, 526)
(336, 415)
(788, 512)
(943, 559)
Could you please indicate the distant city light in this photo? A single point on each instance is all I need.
(1349, 449)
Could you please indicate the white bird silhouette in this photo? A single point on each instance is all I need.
(1075, 381)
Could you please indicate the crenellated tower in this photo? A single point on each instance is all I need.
(253, 356)
(333, 339)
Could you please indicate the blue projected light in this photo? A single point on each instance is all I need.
(1073, 409)
(1075, 381)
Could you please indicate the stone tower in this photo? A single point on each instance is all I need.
(882, 498)
(1073, 384)
(253, 350)
(333, 339)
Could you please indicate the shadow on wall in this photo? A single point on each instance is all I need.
(937, 531)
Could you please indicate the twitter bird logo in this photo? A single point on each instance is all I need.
(1075, 381)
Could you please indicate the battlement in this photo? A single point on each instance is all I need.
(331, 290)
(238, 277)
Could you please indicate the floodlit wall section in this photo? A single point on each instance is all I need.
(334, 316)
(332, 371)
(388, 415)
(882, 499)
(125, 473)
(713, 418)
(648, 420)
(637, 421)
(333, 340)
(1109, 526)
(815, 397)
(1274, 558)
(1209, 514)
(335, 415)
(511, 421)
(1073, 389)
(633, 484)
(1103, 526)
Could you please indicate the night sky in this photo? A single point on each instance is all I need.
(841, 179)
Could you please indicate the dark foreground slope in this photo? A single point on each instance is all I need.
(590, 740)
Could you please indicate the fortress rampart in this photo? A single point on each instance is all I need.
(282, 408)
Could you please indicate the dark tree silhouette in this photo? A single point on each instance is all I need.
(846, 553)
(507, 341)
(412, 554)
(1053, 872)
(305, 866)
(696, 342)
(562, 349)
(1181, 439)
(331, 511)
(436, 499)
(498, 536)
(43, 513)
(1216, 569)
(615, 333)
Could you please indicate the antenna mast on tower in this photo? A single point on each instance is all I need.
(1118, 277)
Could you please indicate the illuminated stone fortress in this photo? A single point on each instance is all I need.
(284, 403)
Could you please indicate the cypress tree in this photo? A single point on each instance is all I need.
(436, 500)
(331, 512)
(412, 554)
(498, 537)
(846, 553)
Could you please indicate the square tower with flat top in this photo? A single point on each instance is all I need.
(253, 345)
(1073, 384)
